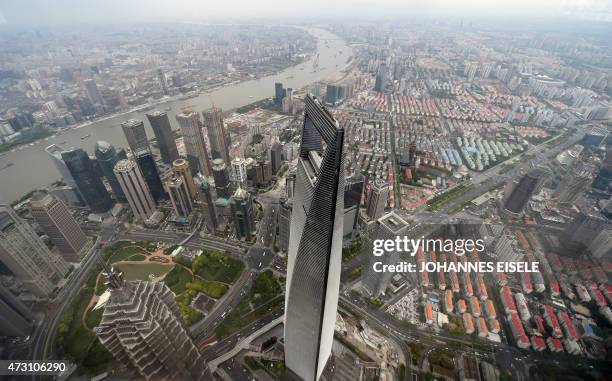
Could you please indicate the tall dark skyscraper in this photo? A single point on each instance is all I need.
(90, 186)
(147, 166)
(217, 134)
(315, 244)
(522, 192)
(222, 179)
(278, 94)
(93, 93)
(135, 135)
(353, 191)
(381, 78)
(107, 158)
(276, 157)
(15, 318)
(165, 138)
(206, 200)
(241, 206)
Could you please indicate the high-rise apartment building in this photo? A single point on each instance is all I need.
(284, 223)
(276, 160)
(149, 170)
(85, 175)
(135, 134)
(195, 146)
(107, 158)
(389, 226)
(163, 83)
(223, 185)
(218, 136)
(15, 318)
(315, 244)
(93, 93)
(143, 329)
(239, 171)
(57, 222)
(241, 206)
(377, 202)
(165, 137)
(135, 188)
(180, 168)
(26, 255)
(179, 196)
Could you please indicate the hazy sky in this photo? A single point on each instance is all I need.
(39, 12)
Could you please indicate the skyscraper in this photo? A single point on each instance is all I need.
(206, 200)
(147, 166)
(135, 188)
(222, 180)
(284, 223)
(197, 155)
(26, 255)
(381, 78)
(143, 329)
(315, 244)
(278, 94)
(218, 136)
(389, 226)
(353, 191)
(93, 93)
(377, 202)
(55, 153)
(163, 133)
(15, 318)
(179, 196)
(241, 206)
(239, 171)
(521, 194)
(163, 84)
(107, 158)
(276, 160)
(135, 135)
(180, 168)
(57, 222)
(89, 184)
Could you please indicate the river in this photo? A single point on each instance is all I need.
(32, 168)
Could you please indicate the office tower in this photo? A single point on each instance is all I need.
(15, 318)
(239, 171)
(379, 195)
(585, 228)
(57, 222)
(147, 166)
(135, 134)
(263, 173)
(26, 255)
(522, 193)
(381, 79)
(290, 183)
(89, 184)
(218, 136)
(163, 84)
(353, 191)
(93, 93)
(389, 226)
(165, 137)
(331, 94)
(278, 94)
(179, 196)
(143, 329)
(315, 244)
(207, 202)
(241, 206)
(222, 180)
(55, 153)
(601, 247)
(180, 168)
(135, 188)
(284, 223)
(197, 155)
(107, 159)
(276, 158)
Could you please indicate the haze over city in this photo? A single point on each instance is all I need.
(306, 191)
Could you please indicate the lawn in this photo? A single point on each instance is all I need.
(214, 266)
(353, 250)
(177, 278)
